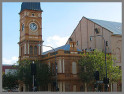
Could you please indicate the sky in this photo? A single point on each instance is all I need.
(59, 19)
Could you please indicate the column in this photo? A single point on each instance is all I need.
(60, 86)
(28, 47)
(63, 86)
(39, 50)
(25, 48)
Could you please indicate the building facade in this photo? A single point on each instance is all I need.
(66, 56)
(86, 36)
(8, 69)
(91, 33)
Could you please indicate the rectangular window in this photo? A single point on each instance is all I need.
(67, 87)
(77, 42)
(59, 66)
(106, 43)
(90, 38)
(74, 68)
(97, 30)
(74, 88)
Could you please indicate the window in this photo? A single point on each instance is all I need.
(59, 66)
(77, 42)
(31, 50)
(74, 68)
(67, 87)
(118, 55)
(32, 14)
(90, 38)
(74, 88)
(106, 43)
(35, 50)
(23, 50)
(97, 30)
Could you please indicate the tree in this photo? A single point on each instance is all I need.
(95, 61)
(43, 74)
(9, 81)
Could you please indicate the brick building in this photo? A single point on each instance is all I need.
(8, 68)
(66, 56)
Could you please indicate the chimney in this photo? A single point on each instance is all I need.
(72, 45)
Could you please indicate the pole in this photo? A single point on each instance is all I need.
(33, 80)
(105, 65)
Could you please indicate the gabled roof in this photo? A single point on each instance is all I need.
(114, 27)
(64, 47)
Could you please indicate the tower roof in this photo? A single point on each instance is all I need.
(31, 6)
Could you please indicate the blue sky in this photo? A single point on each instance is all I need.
(59, 21)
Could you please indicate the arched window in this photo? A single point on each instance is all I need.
(35, 50)
(31, 50)
(74, 68)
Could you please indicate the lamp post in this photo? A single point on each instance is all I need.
(105, 58)
(33, 73)
(55, 65)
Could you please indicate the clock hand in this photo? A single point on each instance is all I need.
(31, 25)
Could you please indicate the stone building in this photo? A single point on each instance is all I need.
(111, 32)
(66, 56)
(91, 33)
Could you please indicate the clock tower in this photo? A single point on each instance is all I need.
(30, 31)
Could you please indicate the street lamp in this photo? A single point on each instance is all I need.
(55, 65)
(33, 73)
(105, 58)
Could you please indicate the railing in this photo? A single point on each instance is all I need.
(65, 52)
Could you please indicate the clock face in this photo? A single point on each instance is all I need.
(22, 27)
(33, 26)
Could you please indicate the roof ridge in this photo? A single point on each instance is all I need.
(103, 20)
(114, 27)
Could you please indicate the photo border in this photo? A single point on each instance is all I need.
(59, 92)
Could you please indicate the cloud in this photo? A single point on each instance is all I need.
(54, 41)
(10, 61)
